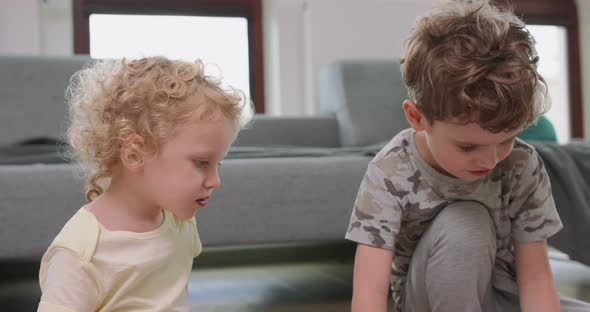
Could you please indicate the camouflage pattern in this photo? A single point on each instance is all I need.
(401, 194)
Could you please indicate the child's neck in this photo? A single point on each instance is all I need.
(120, 209)
(425, 154)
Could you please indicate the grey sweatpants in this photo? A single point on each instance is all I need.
(451, 268)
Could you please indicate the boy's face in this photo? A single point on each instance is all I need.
(182, 176)
(466, 152)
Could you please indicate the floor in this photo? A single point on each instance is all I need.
(315, 286)
(321, 285)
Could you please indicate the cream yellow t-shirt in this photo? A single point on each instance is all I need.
(90, 268)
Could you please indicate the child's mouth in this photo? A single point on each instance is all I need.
(480, 172)
(201, 201)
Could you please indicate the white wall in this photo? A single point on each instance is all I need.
(57, 30)
(36, 27)
(284, 56)
(19, 27)
(584, 26)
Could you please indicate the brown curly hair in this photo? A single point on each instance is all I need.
(474, 62)
(110, 101)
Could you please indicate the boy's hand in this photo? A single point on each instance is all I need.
(533, 274)
(372, 273)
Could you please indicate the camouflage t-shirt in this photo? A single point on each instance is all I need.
(401, 194)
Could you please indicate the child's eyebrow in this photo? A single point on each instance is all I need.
(202, 154)
(458, 142)
(477, 144)
(510, 138)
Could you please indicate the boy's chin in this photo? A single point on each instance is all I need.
(470, 177)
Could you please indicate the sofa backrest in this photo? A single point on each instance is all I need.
(366, 96)
(32, 95)
(320, 131)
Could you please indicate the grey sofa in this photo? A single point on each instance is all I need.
(287, 179)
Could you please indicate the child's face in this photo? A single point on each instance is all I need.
(466, 152)
(182, 176)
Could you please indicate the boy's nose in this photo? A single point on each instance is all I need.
(490, 160)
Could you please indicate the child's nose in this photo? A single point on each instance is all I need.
(490, 160)
(213, 180)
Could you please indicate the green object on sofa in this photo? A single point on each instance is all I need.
(542, 131)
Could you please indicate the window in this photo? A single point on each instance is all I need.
(563, 16)
(226, 33)
(551, 44)
(180, 37)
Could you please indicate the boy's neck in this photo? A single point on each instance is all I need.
(425, 154)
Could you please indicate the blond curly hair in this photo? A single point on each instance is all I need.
(471, 61)
(112, 100)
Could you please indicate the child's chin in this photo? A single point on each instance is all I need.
(471, 178)
(185, 215)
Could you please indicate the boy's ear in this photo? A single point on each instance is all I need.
(414, 115)
(132, 153)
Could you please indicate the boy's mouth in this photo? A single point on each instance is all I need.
(480, 172)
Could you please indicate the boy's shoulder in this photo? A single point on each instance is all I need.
(394, 158)
(523, 156)
(79, 235)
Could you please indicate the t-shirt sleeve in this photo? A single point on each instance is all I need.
(376, 216)
(535, 217)
(67, 284)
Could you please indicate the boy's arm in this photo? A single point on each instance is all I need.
(533, 275)
(372, 273)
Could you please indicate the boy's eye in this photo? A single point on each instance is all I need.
(467, 148)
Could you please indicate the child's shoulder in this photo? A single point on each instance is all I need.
(523, 165)
(523, 155)
(394, 157)
(79, 234)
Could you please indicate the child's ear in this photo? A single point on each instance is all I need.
(414, 115)
(132, 153)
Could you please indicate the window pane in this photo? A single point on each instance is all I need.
(221, 42)
(552, 49)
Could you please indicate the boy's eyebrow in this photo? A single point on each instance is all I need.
(510, 138)
(477, 144)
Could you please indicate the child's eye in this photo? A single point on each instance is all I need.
(468, 148)
(202, 163)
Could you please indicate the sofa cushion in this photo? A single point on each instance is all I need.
(263, 200)
(366, 97)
